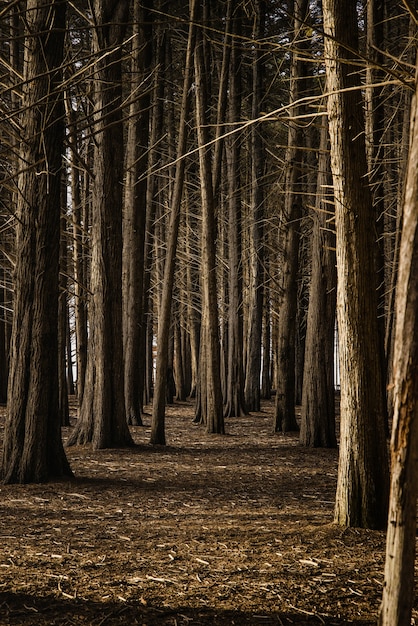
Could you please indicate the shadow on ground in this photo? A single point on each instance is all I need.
(30, 610)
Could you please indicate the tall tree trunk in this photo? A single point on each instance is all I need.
(234, 396)
(33, 450)
(285, 419)
(102, 419)
(194, 300)
(79, 252)
(254, 329)
(164, 319)
(398, 589)
(210, 363)
(63, 320)
(135, 211)
(318, 396)
(363, 478)
(376, 157)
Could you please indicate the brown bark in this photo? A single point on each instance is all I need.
(234, 394)
(318, 395)
(134, 217)
(102, 419)
(164, 319)
(79, 252)
(210, 365)
(254, 328)
(285, 419)
(362, 488)
(398, 590)
(33, 450)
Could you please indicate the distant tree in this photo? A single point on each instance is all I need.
(135, 205)
(102, 418)
(234, 395)
(33, 450)
(318, 395)
(164, 318)
(210, 363)
(363, 476)
(285, 419)
(255, 307)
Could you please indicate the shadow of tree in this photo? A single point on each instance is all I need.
(19, 609)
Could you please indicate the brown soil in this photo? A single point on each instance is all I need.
(233, 529)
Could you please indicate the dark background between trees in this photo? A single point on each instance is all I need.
(195, 201)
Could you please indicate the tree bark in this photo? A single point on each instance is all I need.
(33, 450)
(134, 217)
(285, 418)
(234, 396)
(254, 329)
(102, 419)
(79, 253)
(362, 488)
(164, 319)
(210, 363)
(318, 395)
(398, 590)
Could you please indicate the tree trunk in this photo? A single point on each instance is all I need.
(164, 319)
(318, 395)
(134, 218)
(102, 419)
(79, 253)
(398, 589)
(63, 321)
(285, 418)
(362, 488)
(33, 450)
(234, 396)
(210, 364)
(254, 329)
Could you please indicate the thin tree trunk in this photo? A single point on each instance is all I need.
(234, 396)
(285, 418)
(79, 236)
(254, 329)
(164, 319)
(318, 396)
(210, 367)
(134, 218)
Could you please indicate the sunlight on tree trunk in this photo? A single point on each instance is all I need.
(398, 590)
(363, 476)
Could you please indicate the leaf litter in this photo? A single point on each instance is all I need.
(234, 529)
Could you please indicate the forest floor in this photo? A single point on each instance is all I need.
(235, 529)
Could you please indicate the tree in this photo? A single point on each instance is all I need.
(254, 328)
(285, 419)
(135, 212)
(210, 363)
(318, 394)
(362, 488)
(398, 589)
(33, 450)
(234, 396)
(102, 418)
(164, 320)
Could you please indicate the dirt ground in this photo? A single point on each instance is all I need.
(233, 529)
